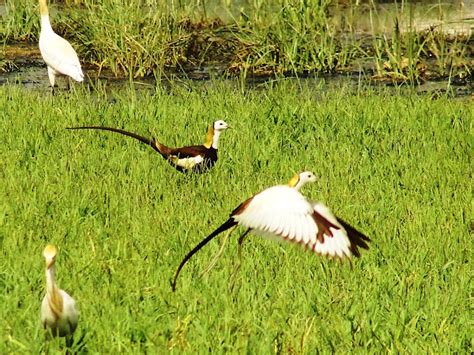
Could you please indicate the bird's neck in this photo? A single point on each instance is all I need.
(55, 300)
(212, 138)
(45, 24)
(295, 182)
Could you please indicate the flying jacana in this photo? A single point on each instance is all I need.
(195, 158)
(59, 315)
(281, 212)
(57, 53)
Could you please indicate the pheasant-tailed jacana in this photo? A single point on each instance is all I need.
(195, 158)
(281, 212)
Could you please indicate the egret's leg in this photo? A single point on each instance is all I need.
(52, 78)
(69, 340)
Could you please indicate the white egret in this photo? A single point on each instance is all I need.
(58, 53)
(59, 315)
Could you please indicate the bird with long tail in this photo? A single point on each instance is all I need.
(195, 158)
(282, 213)
(59, 314)
(58, 54)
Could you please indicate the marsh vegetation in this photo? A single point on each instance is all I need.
(404, 42)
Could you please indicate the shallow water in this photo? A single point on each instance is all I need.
(34, 76)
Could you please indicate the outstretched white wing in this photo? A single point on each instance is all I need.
(282, 213)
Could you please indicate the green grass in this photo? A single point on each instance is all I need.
(397, 166)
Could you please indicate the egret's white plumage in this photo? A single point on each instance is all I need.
(57, 53)
(59, 315)
(281, 212)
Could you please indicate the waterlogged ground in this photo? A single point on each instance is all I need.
(423, 43)
(395, 164)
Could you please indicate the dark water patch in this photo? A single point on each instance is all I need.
(31, 72)
(34, 76)
(377, 28)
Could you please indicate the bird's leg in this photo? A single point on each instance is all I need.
(239, 263)
(52, 78)
(221, 249)
(69, 340)
(241, 241)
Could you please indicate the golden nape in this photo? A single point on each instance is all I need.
(59, 314)
(58, 54)
(281, 212)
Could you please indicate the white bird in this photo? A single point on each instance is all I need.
(58, 53)
(281, 212)
(58, 310)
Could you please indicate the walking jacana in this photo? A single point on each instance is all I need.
(195, 158)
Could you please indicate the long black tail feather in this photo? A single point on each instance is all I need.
(228, 224)
(142, 139)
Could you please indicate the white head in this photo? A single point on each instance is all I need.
(220, 125)
(213, 132)
(302, 178)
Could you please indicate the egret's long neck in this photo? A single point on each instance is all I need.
(299, 185)
(50, 279)
(45, 24)
(55, 299)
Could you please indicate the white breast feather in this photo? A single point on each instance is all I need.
(67, 322)
(187, 163)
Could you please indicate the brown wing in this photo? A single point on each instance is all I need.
(357, 239)
(240, 208)
(209, 157)
(323, 226)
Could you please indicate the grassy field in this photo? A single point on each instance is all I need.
(396, 166)
(138, 38)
